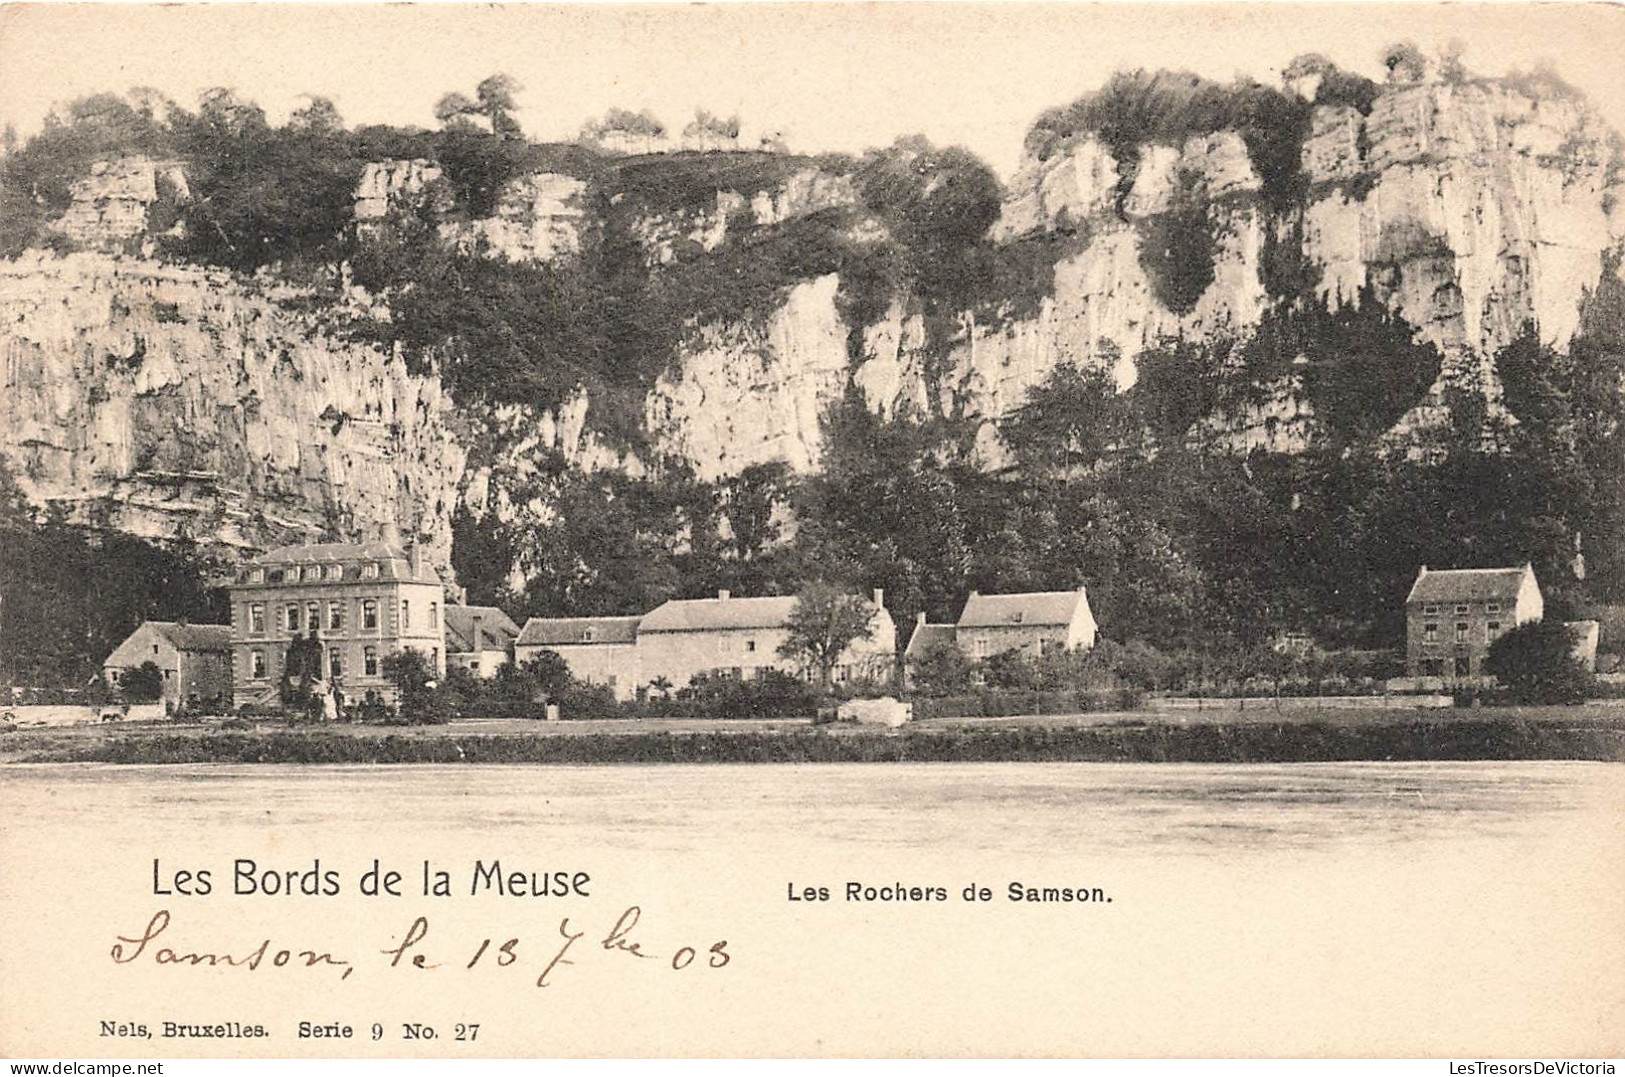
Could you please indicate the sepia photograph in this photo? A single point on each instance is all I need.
(949, 530)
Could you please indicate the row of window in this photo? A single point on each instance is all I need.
(258, 670)
(1430, 632)
(1462, 609)
(308, 573)
(298, 617)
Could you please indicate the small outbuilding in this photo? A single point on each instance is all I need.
(194, 660)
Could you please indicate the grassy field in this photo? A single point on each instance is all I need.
(1302, 734)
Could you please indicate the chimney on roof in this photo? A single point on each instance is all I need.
(919, 619)
(474, 631)
(414, 556)
(1423, 571)
(880, 598)
(975, 594)
(390, 534)
(724, 594)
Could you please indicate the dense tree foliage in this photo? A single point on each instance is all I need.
(1535, 663)
(69, 595)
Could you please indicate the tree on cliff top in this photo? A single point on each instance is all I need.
(493, 101)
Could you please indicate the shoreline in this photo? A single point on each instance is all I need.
(1537, 734)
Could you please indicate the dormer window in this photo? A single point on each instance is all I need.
(1017, 616)
(1431, 610)
(333, 572)
(588, 634)
(369, 571)
(256, 575)
(307, 572)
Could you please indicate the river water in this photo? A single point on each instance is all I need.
(1036, 807)
(1461, 909)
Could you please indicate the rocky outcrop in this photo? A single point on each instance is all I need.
(111, 206)
(745, 394)
(393, 185)
(668, 235)
(172, 401)
(539, 218)
(1477, 210)
(175, 400)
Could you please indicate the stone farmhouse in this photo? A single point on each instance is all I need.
(363, 601)
(670, 645)
(598, 650)
(1453, 615)
(195, 660)
(1033, 623)
(479, 639)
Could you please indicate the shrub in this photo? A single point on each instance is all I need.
(1176, 248)
(940, 669)
(143, 684)
(1535, 662)
(771, 693)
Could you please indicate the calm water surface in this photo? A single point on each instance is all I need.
(1156, 808)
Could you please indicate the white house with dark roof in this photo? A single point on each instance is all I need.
(599, 650)
(1034, 623)
(1453, 615)
(740, 637)
(479, 639)
(194, 660)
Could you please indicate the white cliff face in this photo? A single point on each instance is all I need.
(539, 218)
(1481, 210)
(393, 184)
(1470, 209)
(180, 400)
(169, 401)
(110, 206)
(744, 395)
(1103, 310)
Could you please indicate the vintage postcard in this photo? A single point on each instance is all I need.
(944, 530)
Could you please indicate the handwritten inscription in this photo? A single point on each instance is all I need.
(414, 949)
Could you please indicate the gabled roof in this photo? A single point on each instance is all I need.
(1030, 608)
(575, 631)
(191, 637)
(497, 629)
(1467, 584)
(928, 635)
(703, 614)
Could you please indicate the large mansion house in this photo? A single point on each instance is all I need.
(363, 601)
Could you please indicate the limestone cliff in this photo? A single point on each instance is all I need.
(172, 401)
(169, 400)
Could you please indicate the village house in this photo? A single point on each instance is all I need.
(1453, 615)
(741, 637)
(194, 660)
(925, 638)
(363, 601)
(598, 650)
(1034, 623)
(479, 639)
